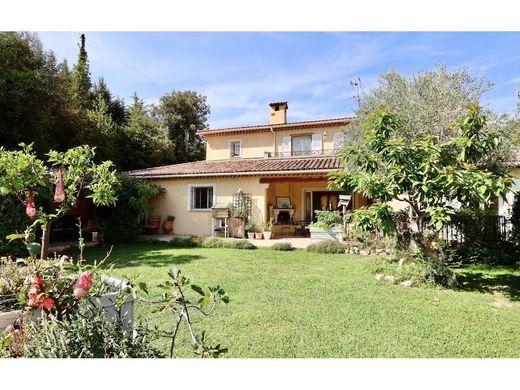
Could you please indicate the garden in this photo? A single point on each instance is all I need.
(389, 285)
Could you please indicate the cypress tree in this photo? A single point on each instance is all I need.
(81, 83)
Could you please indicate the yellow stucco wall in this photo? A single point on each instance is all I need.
(187, 222)
(255, 144)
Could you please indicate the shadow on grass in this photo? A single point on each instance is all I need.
(488, 282)
(150, 255)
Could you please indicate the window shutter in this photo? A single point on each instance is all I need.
(286, 145)
(316, 143)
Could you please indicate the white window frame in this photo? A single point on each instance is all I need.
(231, 142)
(304, 152)
(191, 187)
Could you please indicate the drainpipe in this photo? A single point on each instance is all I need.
(274, 142)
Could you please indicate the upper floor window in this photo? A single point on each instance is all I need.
(235, 148)
(201, 198)
(301, 145)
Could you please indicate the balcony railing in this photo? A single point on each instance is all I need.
(324, 152)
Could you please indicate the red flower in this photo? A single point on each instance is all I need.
(47, 303)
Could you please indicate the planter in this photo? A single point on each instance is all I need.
(237, 228)
(250, 235)
(94, 236)
(106, 301)
(167, 227)
(320, 234)
(267, 235)
(258, 236)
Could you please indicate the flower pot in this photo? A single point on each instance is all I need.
(267, 235)
(258, 236)
(250, 235)
(94, 236)
(167, 227)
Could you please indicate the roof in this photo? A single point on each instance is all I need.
(243, 167)
(284, 126)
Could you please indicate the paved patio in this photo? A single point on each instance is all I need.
(297, 242)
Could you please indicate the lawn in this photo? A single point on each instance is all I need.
(297, 304)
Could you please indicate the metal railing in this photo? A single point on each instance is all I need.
(302, 153)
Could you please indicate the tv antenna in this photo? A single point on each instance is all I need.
(355, 83)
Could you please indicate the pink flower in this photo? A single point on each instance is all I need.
(33, 296)
(80, 293)
(83, 284)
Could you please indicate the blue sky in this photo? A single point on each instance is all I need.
(241, 73)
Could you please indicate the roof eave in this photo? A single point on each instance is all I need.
(235, 174)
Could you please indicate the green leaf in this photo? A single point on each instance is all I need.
(12, 237)
(143, 287)
(198, 289)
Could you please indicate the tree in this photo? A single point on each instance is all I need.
(428, 175)
(146, 141)
(427, 103)
(81, 83)
(34, 101)
(116, 107)
(183, 113)
(24, 175)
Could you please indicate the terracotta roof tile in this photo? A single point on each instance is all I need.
(278, 127)
(244, 167)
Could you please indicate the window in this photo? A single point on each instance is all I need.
(235, 148)
(201, 198)
(301, 145)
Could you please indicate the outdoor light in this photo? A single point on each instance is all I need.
(59, 194)
(30, 207)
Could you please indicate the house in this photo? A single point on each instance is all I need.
(281, 166)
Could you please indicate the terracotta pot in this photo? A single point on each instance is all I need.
(167, 227)
(258, 236)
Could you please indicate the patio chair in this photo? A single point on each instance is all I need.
(153, 225)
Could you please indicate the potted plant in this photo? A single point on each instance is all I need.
(328, 226)
(268, 230)
(258, 234)
(250, 228)
(168, 224)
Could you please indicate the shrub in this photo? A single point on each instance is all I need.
(239, 244)
(282, 246)
(515, 222)
(186, 242)
(212, 242)
(13, 282)
(327, 219)
(420, 270)
(482, 252)
(126, 219)
(12, 219)
(89, 335)
(327, 246)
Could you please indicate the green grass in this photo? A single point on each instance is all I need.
(298, 304)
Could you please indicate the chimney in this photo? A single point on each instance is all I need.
(278, 113)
